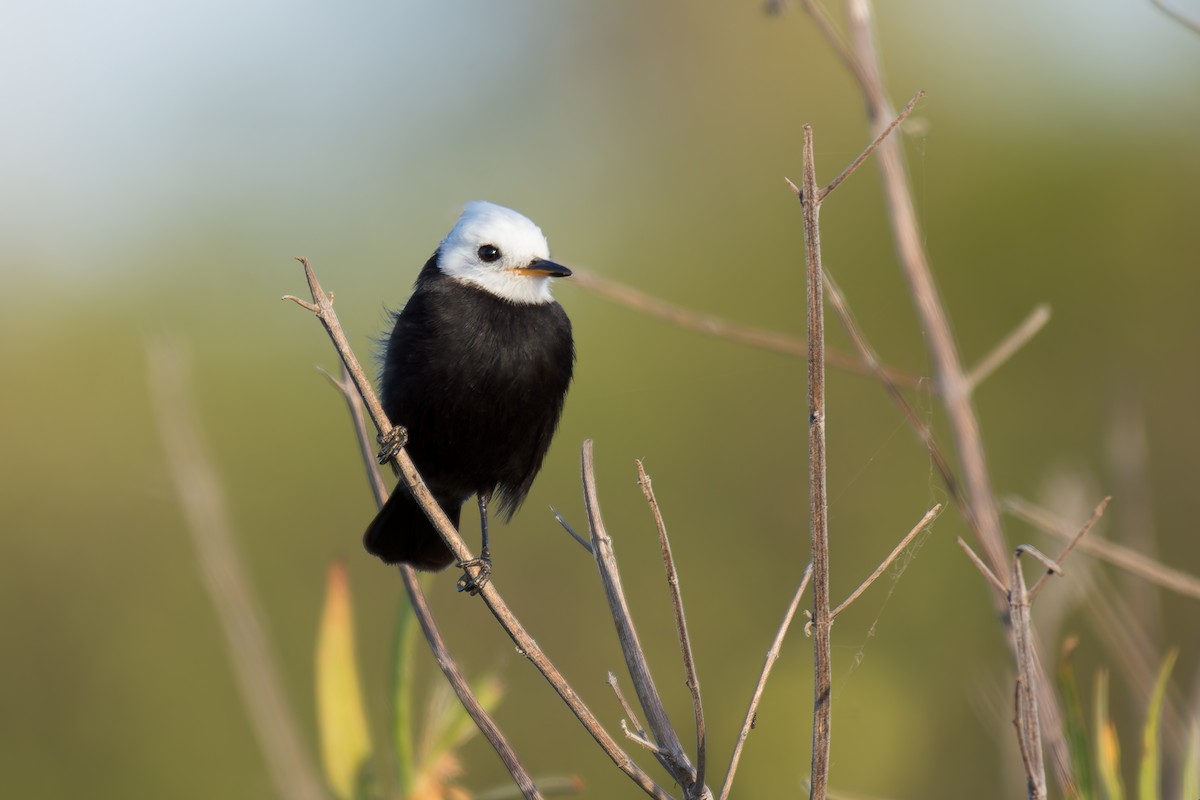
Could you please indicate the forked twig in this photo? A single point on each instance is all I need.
(685, 642)
(1087, 526)
(772, 656)
(1118, 555)
(657, 722)
(322, 307)
(628, 709)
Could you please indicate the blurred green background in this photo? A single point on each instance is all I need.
(162, 163)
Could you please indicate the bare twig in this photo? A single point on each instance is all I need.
(983, 568)
(629, 712)
(566, 526)
(322, 306)
(420, 606)
(1029, 735)
(1179, 15)
(952, 381)
(203, 500)
(1002, 352)
(723, 329)
(1037, 587)
(657, 722)
(930, 515)
(685, 642)
(865, 154)
(1130, 560)
(354, 404)
(772, 656)
(838, 300)
(818, 509)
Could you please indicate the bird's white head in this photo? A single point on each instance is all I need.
(501, 251)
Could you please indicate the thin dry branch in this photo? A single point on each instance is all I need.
(866, 153)
(1179, 15)
(1005, 350)
(625, 706)
(685, 642)
(772, 657)
(842, 308)
(1119, 556)
(322, 307)
(822, 622)
(1087, 526)
(203, 501)
(1029, 729)
(953, 384)
(930, 515)
(420, 606)
(710, 325)
(657, 721)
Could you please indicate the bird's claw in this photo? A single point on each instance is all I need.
(472, 584)
(391, 443)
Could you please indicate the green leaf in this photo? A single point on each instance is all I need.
(1108, 749)
(1148, 772)
(341, 721)
(402, 692)
(1075, 724)
(1191, 765)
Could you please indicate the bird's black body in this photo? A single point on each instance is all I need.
(479, 383)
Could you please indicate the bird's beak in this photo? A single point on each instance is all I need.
(542, 268)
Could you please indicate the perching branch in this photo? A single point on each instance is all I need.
(420, 606)
(322, 306)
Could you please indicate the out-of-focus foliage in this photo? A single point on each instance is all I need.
(342, 720)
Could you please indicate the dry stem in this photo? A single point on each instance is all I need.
(930, 515)
(810, 200)
(772, 656)
(685, 642)
(667, 741)
(204, 506)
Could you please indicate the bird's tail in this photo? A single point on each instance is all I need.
(402, 534)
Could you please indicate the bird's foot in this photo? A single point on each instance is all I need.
(391, 443)
(476, 573)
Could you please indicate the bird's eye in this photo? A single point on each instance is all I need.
(489, 253)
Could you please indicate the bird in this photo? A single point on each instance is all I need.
(476, 370)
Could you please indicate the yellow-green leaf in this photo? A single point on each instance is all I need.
(1108, 750)
(1191, 764)
(1148, 778)
(1075, 726)
(342, 723)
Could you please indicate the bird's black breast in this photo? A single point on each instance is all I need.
(479, 382)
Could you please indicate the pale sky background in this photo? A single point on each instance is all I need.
(120, 116)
